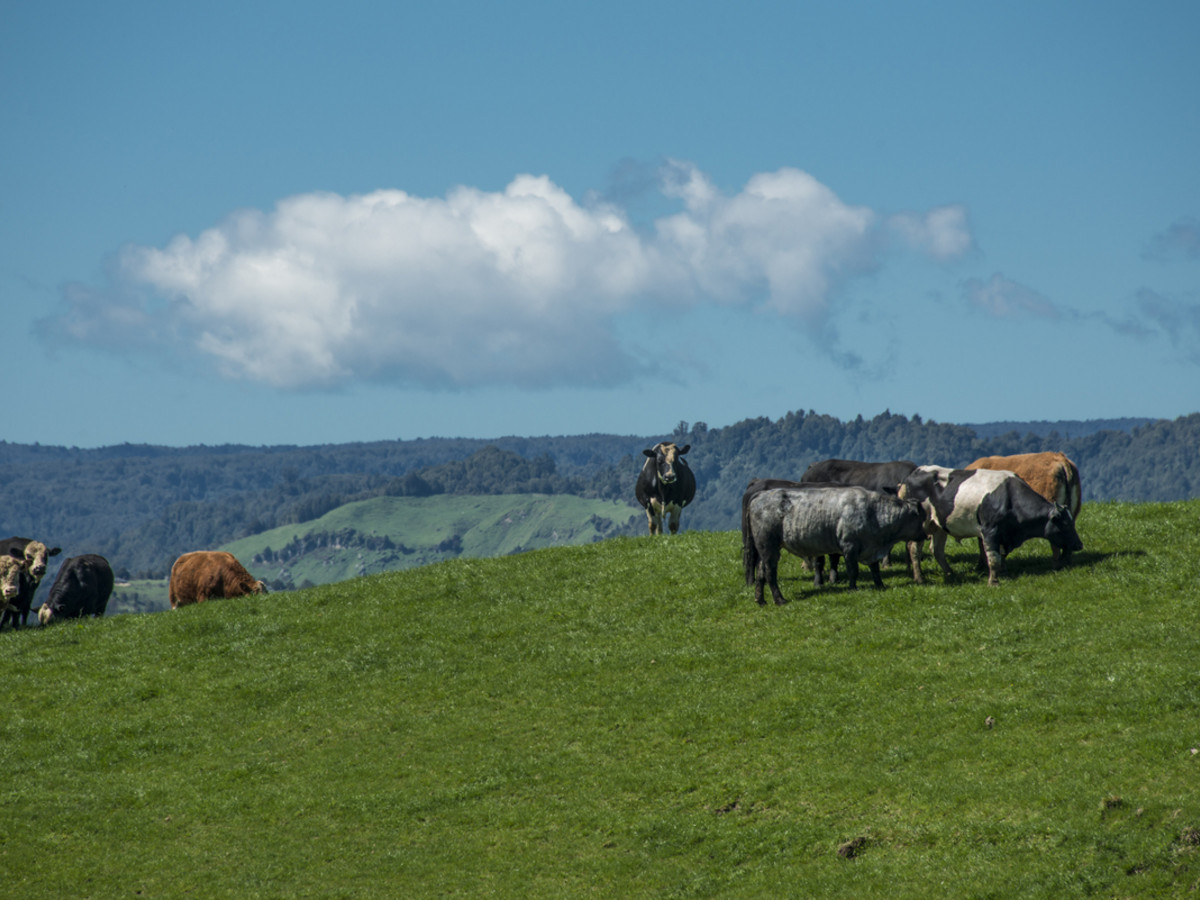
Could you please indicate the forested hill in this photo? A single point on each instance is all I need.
(143, 505)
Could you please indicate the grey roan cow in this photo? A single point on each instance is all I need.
(858, 524)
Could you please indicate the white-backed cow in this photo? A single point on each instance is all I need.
(665, 486)
(81, 588)
(35, 556)
(209, 575)
(1051, 474)
(857, 523)
(995, 506)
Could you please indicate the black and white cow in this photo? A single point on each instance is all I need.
(665, 486)
(993, 505)
(82, 588)
(876, 476)
(34, 556)
(854, 522)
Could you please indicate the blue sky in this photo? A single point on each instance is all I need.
(303, 223)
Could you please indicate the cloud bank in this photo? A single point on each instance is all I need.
(518, 287)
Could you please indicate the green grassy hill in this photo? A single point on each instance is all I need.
(620, 719)
(345, 542)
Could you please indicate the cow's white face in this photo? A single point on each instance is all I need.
(665, 457)
(10, 579)
(36, 556)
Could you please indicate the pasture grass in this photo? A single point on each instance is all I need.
(621, 720)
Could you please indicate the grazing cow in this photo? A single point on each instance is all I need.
(876, 476)
(209, 575)
(849, 520)
(997, 507)
(82, 588)
(34, 555)
(1051, 474)
(665, 486)
(11, 570)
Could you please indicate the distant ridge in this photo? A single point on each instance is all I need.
(1066, 428)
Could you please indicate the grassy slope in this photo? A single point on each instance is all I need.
(620, 719)
(489, 526)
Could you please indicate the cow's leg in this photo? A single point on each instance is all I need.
(772, 565)
(673, 511)
(818, 567)
(1058, 557)
(833, 567)
(939, 553)
(851, 561)
(874, 567)
(654, 516)
(995, 559)
(914, 558)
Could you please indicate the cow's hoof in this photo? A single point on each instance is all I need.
(782, 601)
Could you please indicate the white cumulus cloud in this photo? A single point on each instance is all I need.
(520, 286)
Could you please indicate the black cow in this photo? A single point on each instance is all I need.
(665, 486)
(876, 476)
(82, 588)
(33, 555)
(852, 521)
(993, 505)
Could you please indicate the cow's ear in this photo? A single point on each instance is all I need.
(54, 552)
(16, 554)
(649, 453)
(684, 449)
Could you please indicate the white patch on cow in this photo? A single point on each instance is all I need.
(964, 518)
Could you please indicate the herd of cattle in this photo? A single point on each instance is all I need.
(840, 509)
(858, 511)
(84, 583)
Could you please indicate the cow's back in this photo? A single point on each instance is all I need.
(1052, 474)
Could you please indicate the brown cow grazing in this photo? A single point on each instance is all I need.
(209, 575)
(1051, 474)
(34, 555)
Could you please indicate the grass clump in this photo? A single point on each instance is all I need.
(621, 719)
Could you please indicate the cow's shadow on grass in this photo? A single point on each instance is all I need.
(795, 581)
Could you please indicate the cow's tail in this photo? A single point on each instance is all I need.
(749, 550)
(1074, 490)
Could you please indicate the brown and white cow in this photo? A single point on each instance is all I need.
(11, 570)
(1051, 474)
(209, 575)
(34, 556)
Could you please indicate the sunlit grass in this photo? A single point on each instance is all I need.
(621, 719)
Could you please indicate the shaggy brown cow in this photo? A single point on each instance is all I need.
(209, 575)
(1051, 474)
